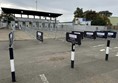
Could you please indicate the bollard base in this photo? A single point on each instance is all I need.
(13, 77)
(72, 64)
(106, 58)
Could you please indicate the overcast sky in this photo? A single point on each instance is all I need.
(65, 7)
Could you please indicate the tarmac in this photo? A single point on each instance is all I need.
(49, 61)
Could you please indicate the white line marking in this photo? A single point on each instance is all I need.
(115, 47)
(102, 50)
(43, 78)
(117, 54)
(99, 45)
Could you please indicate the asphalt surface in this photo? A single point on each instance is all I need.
(49, 62)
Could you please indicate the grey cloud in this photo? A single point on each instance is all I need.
(67, 7)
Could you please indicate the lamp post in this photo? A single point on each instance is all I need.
(36, 4)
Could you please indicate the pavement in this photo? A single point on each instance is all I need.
(49, 62)
(19, 35)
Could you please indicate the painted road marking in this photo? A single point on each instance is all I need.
(115, 47)
(99, 45)
(102, 50)
(117, 54)
(43, 78)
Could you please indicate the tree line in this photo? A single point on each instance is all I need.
(96, 18)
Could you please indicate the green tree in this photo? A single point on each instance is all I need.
(90, 15)
(106, 13)
(78, 12)
(96, 18)
(7, 18)
(106, 19)
(99, 21)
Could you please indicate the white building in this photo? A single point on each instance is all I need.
(82, 21)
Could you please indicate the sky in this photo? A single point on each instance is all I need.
(65, 7)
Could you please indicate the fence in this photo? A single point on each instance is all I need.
(57, 32)
(60, 30)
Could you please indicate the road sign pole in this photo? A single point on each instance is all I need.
(12, 64)
(72, 55)
(107, 50)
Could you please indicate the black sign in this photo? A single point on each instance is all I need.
(11, 39)
(90, 34)
(39, 36)
(101, 34)
(79, 32)
(111, 34)
(73, 38)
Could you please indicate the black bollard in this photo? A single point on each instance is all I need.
(72, 55)
(107, 50)
(12, 64)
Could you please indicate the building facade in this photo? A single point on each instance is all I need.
(32, 19)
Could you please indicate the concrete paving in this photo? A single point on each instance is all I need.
(19, 35)
(49, 62)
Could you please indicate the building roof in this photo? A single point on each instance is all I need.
(29, 12)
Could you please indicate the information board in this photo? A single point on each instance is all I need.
(79, 32)
(39, 36)
(101, 34)
(90, 34)
(73, 38)
(111, 34)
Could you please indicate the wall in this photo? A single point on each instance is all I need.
(2, 25)
(89, 28)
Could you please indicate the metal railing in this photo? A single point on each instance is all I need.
(49, 32)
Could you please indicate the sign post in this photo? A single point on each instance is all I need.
(12, 64)
(107, 50)
(72, 55)
(11, 40)
(74, 39)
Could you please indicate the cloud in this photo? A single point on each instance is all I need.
(66, 7)
(42, 8)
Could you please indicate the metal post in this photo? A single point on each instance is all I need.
(55, 28)
(12, 64)
(107, 50)
(72, 55)
(36, 4)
